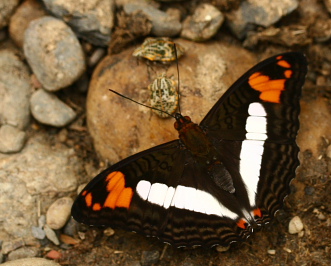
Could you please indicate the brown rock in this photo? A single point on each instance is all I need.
(315, 120)
(26, 12)
(121, 128)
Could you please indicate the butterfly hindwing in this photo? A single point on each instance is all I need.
(186, 196)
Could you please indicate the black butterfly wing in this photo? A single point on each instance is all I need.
(256, 122)
(149, 193)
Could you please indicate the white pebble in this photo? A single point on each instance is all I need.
(59, 212)
(295, 226)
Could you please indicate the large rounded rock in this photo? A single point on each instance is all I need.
(120, 128)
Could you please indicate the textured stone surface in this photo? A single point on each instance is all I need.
(53, 52)
(24, 14)
(163, 24)
(15, 90)
(120, 128)
(31, 262)
(92, 20)
(203, 24)
(50, 110)
(11, 139)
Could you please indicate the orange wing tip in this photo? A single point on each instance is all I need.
(242, 223)
(257, 78)
(284, 64)
(114, 179)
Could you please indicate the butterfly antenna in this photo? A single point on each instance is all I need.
(178, 82)
(154, 108)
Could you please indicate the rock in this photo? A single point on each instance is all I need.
(7, 8)
(327, 3)
(203, 24)
(24, 252)
(38, 232)
(53, 52)
(163, 24)
(31, 176)
(51, 235)
(313, 115)
(15, 90)
(295, 226)
(9, 246)
(203, 78)
(59, 212)
(31, 262)
(149, 257)
(11, 139)
(258, 12)
(24, 14)
(47, 109)
(91, 20)
(328, 152)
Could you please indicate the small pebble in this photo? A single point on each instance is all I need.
(203, 24)
(8, 246)
(11, 139)
(163, 25)
(59, 212)
(109, 231)
(53, 52)
(51, 235)
(257, 12)
(38, 232)
(47, 109)
(149, 257)
(31, 262)
(68, 240)
(328, 152)
(54, 255)
(7, 7)
(295, 226)
(271, 251)
(91, 20)
(42, 220)
(70, 227)
(23, 252)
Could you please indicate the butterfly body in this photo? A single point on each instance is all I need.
(222, 178)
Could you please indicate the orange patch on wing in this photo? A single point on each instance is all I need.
(96, 207)
(288, 73)
(284, 63)
(270, 89)
(242, 223)
(257, 212)
(88, 199)
(119, 195)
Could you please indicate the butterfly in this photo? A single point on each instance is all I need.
(221, 179)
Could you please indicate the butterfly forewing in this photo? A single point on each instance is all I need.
(186, 197)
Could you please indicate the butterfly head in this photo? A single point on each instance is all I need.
(181, 121)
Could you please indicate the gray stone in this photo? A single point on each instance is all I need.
(163, 24)
(24, 252)
(30, 177)
(11, 139)
(15, 90)
(258, 12)
(149, 257)
(31, 262)
(203, 24)
(92, 20)
(51, 235)
(53, 52)
(9, 246)
(38, 232)
(47, 109)
(59, 212)
(7, 8)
